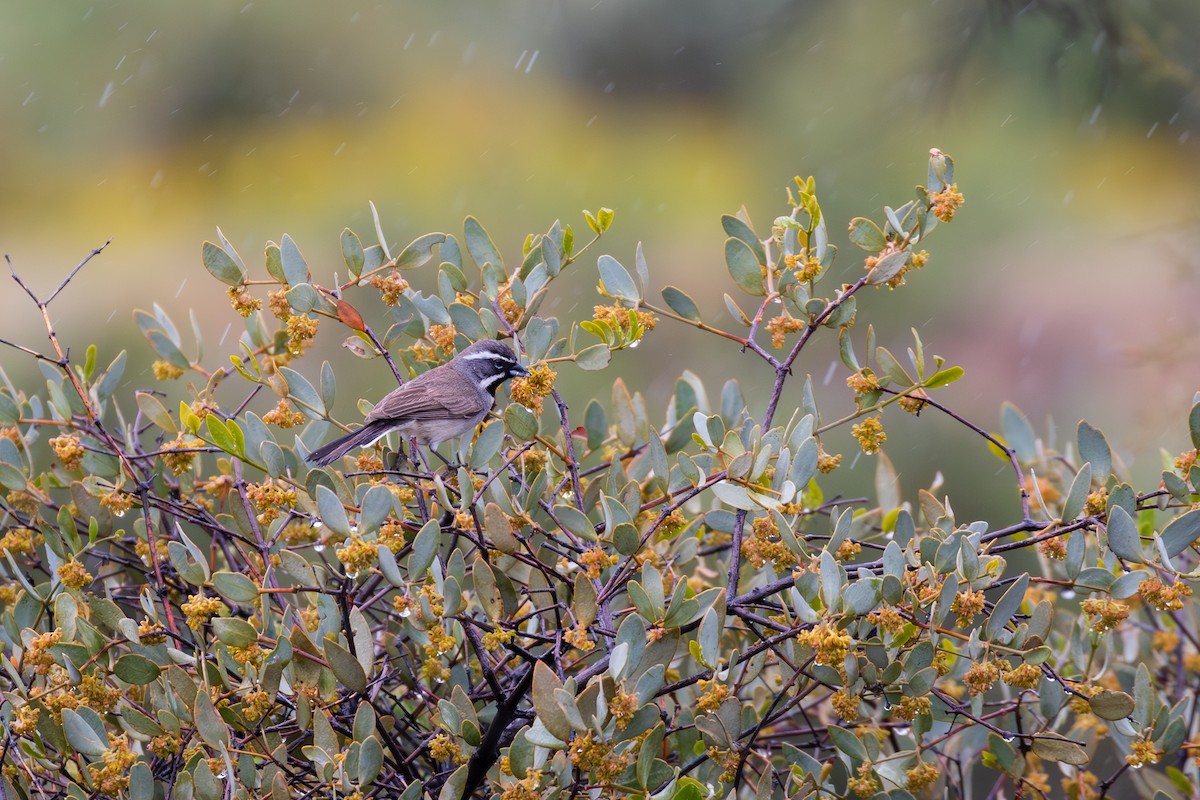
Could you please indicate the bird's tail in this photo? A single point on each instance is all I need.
(328, 453)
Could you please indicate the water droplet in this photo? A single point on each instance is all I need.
(118, 514)
(887, 705)
(404, 613)
(353, 529)
(1067, 594)
(352, 574)
(905, 731)
(439, 680)
(1137, 766)
(319, 547)
(1009, 738)
(633, 345)
(778, 301)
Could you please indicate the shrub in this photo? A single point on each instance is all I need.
(618, 602)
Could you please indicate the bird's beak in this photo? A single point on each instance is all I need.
(521, 371)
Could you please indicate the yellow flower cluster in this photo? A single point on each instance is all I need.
(830, 643)
(1025, 676)
(914, 402)
(845, 704)
(779, 327)
(622, 708)
(869, 434)
(74, 575)
(444, 749)
(981, 677)
(530, 390)
(764, 544)
(827, 463)
(1162, 597)
(577, 637)
(68, 449)
(179, 453)
(866, 784)
(946, 202)
(283, 416)
(847, 550)
(1144, 752)
(357, 555)
(804, 266)
(165, 370)
(921, 776)
(595, 561)
(910, 707)
(966, 605)
(1108, 612)
(242, 301)
(863, 382)
(713, 693)
(618, 317)
(887, 618)
(19, 541)
(494, 640)
(301, 331)
(110, 775)
(270, 499)
(595, 756)
(390, 287)
(443, 335)
(199, 609)
(117, 502)
(38, 653)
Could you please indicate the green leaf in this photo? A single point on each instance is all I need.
(345, 667)
(1111, 705)
(370, 761)
(735, 495)
(300, 389)
(846, 742)
(352, 252)
(220, 435)
(1081, 486)
(81, 736)
(1123, 537)
(943, 377)
(1194, 425)
(234, 631)
(545, 684)
(681, 304)
(891, 368)
(222, 266)
(867, 235)
(521, 422)
(212, 728)
(740, 230)
(480, 245)
(888, 267)
(424, 548)
(136, 669)
(295, 268)
(1006, 606)
(1018, 433)
(744, 267)
(333, 513)
(235, 587)
(1056, 748)
(153, 410)
(616, 280)
(419, 251)
(1094, 449)
(593, 357)
(1180, 532)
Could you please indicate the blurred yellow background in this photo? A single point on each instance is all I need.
(1067, 284)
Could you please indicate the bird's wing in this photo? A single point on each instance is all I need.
(455, 396)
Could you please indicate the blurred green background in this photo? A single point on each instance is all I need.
(1067, 284)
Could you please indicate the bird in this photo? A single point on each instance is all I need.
(445, 402)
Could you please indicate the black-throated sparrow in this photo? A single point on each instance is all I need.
(437, 405)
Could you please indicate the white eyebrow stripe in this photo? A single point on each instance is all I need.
(481, 356)
(486, 383)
